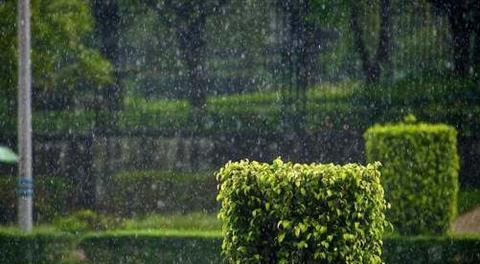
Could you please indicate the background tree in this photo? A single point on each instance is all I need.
(299, 41)
(347, 16)
(457, 12)
(107, 29)
(464, 21)
(63, 63)
(188, 20)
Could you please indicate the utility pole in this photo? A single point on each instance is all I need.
(25, 180)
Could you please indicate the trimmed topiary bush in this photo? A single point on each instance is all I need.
(296, 213)
(419, 174)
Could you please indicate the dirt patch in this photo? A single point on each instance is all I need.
(468, 222)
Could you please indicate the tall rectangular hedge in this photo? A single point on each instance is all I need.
(419, 174)
(299, 213)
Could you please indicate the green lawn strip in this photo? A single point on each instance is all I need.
(159, 233)
(188, 222)
(468, 199)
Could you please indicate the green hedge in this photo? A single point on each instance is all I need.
(432, 250)
(50, 198)
(202, 247)
(419, 174)
(146, 192)
(44, 247)
(294, 213)
(153, 247)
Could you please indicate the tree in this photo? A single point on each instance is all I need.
(464, 19)
(299, 48)
(345, 14)
(457, 12)
(187, 19)
(107, 25)
(372, 65)
(62, 61)
(476, 31)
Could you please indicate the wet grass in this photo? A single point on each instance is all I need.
(188, 222)
(468, 199)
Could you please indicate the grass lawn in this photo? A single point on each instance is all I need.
(468, 199)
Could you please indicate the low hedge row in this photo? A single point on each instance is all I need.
(203, 247)
(147, 192)
(419, 174)
(198, 248)
(153, 247)
(432, 250)
(298, 213)
(44, 247)
(51, 194)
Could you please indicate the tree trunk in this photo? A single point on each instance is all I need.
(476, 31)
(370, 69)
(192, 47)
(460, 37)
(107, 17)
(384, 40)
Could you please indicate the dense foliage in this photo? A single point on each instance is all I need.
(431, 250)
(294, 213)
(142, 192)
(84, 221)
(42, 247)
(200, 247)
(63, 61)
(419, 174)
(153, 247)
(51, 195)
(329, 107)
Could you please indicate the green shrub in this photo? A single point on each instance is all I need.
(49, 246)
(50, 198)
(153, 247)
(431, 250)
(205, 247)
(419, 174)
(145, 192)
(42, 247)
(83, 221)
(294, 213)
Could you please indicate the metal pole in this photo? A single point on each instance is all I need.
(25, 181)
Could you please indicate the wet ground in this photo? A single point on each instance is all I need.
(468, 222)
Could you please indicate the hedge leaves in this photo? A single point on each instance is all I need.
(419, 174)
(298, 213)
